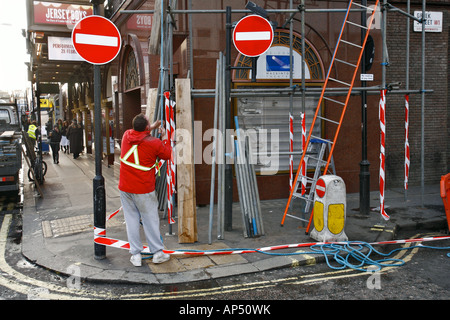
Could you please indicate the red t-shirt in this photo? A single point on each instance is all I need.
(149, 148)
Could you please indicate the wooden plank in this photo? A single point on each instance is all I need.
(187, 211)
(155, 35)
(151, 103)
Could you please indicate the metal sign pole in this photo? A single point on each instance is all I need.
(364, 173)
(228, 167)
(98, 181)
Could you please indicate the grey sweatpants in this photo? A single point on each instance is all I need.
(137, 207)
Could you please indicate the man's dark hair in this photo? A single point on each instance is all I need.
(140, 122)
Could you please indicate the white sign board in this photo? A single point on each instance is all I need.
(434, 21)
(275, 64)
(62, 49)
(366, 77)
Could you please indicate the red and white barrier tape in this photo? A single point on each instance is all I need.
(170, 128)
(100, 232)
(120, 244)
(291, 150)
(303, 168)
(407, 159)
(382, 116)
(125, 245)
(113, 214)
(100, 238)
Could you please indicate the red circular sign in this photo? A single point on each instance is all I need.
(320, 188)
(253, 36)
(96, 39)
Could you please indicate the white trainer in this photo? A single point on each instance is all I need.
(136, 260)
(160, 257)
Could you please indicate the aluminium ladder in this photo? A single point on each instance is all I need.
(335, 103)
(314, 158)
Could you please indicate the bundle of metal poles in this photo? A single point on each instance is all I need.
(245, 173)
(247, 186)
(218, 152)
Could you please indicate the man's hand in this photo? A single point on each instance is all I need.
(155, 125)
(163, 133)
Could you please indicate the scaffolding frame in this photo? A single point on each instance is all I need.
(292, 91)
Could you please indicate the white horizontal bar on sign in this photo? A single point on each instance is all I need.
(254, 35)
(94, 39)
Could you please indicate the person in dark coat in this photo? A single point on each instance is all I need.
(55, 139)
(64, 139)
(75, 136)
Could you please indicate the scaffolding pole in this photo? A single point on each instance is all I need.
(422, 156)
(408, 23)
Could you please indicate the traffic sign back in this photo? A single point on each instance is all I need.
(96, 39)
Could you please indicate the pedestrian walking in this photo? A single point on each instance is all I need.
(75, 135)
(55, 139)
(64, 139)
(139, 155)
(49, 126)
(33, 132)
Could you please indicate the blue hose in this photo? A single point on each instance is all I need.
(342, 254)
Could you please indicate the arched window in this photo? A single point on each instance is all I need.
(266, 118)
(131, 71)
(274, 64)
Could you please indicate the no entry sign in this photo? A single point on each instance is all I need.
(96, 39)
(320, 188)
(253, 35)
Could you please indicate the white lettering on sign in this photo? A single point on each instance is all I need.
(65, 14)
(366, 77)
(433, 21)
(60, 48)
(59, 13)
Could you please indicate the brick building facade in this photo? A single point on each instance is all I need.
(437, 108)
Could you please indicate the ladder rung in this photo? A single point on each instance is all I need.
(335, 101)
(318, 160)
(345, 62)
(357, 25)
(299, 196)
(321, 139)
(289, 215)
(360, 5)
(308, 179)
(329, 120)
(351, 43)
(341, 82)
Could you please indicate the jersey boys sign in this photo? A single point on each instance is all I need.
(59, 13)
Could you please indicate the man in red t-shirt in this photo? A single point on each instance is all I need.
(139, 155)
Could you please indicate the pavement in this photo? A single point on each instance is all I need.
(58, 230)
